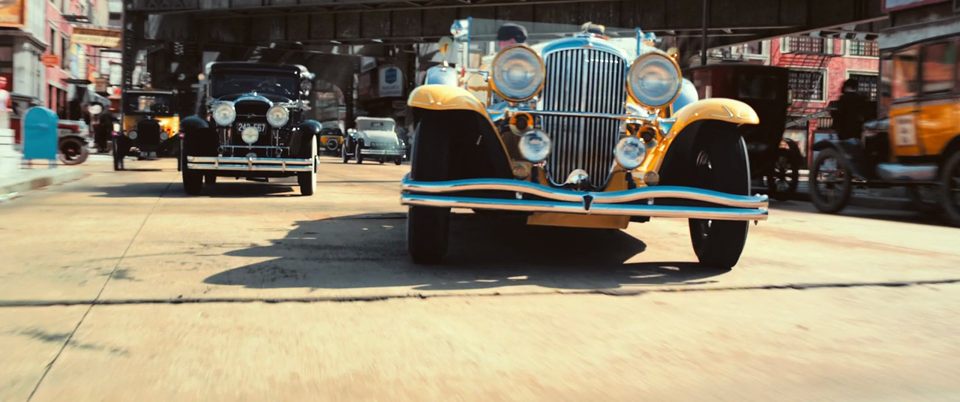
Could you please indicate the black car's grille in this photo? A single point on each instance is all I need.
(583, 80)
(251, 107)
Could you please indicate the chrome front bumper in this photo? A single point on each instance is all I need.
(245, 164)
(381, 152)
(722, 206)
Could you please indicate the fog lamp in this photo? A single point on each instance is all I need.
(250, 135)
(630, 152)
(535, 146)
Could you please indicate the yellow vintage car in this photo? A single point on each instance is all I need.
(916, 145)
(579, 133)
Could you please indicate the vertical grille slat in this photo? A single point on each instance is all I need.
(583, 80)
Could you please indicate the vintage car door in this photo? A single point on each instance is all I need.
(937, 116)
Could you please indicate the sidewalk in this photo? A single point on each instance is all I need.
(14, 180)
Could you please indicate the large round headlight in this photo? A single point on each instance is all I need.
(517, 73)
(534, 146)
(654, 80)
(250, 135)
(132, 135)
(278, 116)
(224, 113)
(630, 152)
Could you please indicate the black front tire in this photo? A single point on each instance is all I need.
(398, 161)
(192, 181)
(830, 181)
(308, 180)
(209, 179)
(358, 154)
(720, 163)
(428, 227)
(950, 185)
(73, 151)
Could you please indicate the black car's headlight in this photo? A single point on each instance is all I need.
(224, 113)
(278, 116)
(518, 73)
(654, 80)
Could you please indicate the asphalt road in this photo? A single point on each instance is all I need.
(119, 287)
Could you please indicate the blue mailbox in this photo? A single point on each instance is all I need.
(40, 134)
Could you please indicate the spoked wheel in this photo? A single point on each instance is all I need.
(950, 182)
(72, 151)
(830, 181)
(721, 164)
(783, 180)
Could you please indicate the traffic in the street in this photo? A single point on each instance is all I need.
(411, 200)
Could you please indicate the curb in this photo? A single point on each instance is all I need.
(56, 176)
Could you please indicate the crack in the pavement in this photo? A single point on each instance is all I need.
(96, 299)
(385, 297)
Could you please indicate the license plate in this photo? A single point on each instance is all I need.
(259, 126)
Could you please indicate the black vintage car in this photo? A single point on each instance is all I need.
(254, 127)
(150, 125)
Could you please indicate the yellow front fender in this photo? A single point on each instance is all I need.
(720, 109)
(445, 97)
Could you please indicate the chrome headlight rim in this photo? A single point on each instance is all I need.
(637, 152)
(250, 135)
(495, 67)
(228, 118)
(284, 117)
(639, 63)
(132, 134)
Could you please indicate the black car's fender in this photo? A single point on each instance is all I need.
(199, 139)
(300, 138)
(476, 149)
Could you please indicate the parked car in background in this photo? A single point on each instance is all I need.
(581, 133)
(149, 125)
(74, 141)
(331, 139)
(255, 127)
(374, 138)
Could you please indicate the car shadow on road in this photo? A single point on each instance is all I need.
(225, 188)
(369, 251)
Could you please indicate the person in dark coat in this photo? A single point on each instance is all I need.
(510, 34)
(851, 111)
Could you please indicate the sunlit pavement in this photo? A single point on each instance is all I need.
(119, 287)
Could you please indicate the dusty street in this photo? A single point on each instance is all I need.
(119, 287)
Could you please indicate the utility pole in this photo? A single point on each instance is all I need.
(703, 33)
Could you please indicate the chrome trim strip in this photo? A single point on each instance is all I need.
(259, 161)
(613, 197)
(386, 152)
(656, 211)
(249, 167)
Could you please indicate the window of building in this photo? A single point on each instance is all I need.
(867, 84)
(863, 48)
(938, 62)
(53, 41)
(905, 79)
(805, 44)
(754, 48)
(806, 85)
(65, 49)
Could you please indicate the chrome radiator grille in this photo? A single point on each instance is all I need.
(583, 80)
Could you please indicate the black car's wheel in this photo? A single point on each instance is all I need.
(192, 181)
(428, 227)
(358, 154)
(784, 178)
(830, 181)
(950, 183)
(382, 161)
(72, 151)
(117, 156)
(343, 153)
(308, 180)
(209, 180)
(398, 161)
(720, 164)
